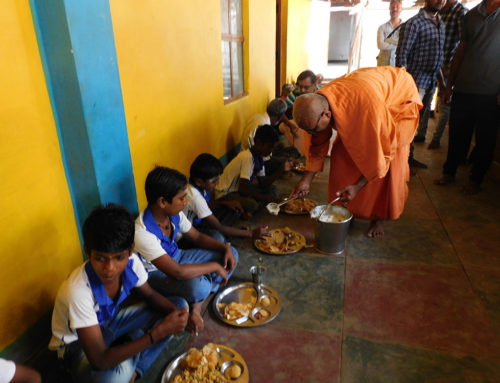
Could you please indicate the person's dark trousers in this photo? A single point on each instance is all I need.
(426, 97)
(469, 111)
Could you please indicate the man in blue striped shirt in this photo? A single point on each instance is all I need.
(420, 51)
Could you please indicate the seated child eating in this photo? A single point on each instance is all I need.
(244, 179)
(11, 372)
(204, 174)
(194, 273)
(99, 338)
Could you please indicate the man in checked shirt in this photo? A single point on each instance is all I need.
(452, 15)
(420, 51)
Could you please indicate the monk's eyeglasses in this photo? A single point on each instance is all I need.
(313, 130)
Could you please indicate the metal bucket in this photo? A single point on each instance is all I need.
(331, 236)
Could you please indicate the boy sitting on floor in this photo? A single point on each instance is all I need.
(194, 273)
(99, 339)
(11, 372)
(204, 175)
(244, 178)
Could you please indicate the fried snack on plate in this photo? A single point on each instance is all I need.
(235, 310)
(233, 372)
(201, 366)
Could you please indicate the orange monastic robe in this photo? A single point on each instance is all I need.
(375, 113)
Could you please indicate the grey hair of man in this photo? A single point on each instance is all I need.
(276, 108)
(307, 109)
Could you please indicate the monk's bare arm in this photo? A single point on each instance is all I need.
(302, 187)
(349, 192)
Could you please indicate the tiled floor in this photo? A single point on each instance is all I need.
(421, 304)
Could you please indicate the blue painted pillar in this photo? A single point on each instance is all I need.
(78, 54)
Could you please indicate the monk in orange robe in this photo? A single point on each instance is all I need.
(375, 114)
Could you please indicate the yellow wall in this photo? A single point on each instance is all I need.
(40, 243)
(295, 24)
(169, 58)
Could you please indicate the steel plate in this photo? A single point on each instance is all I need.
(301, 212)
(228, 357)
(246, 293)
(257, 243)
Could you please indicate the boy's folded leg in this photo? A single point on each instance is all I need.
(226, 215)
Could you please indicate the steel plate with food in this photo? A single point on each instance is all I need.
(300, 168)
(281, 242)
(301, 206)
(247, 305)
(214, 363)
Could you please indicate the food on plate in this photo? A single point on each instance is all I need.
(301, 167)
(233, 372)
(201, 366)
(261, 314)
(235, 310)
(332, 217)
(281, 241)
(299, 206)
(265, 301)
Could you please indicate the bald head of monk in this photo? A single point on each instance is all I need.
(312, 112)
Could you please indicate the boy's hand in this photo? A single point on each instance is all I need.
(260, 232)
(229, 259)
(173, 323)
(221, 272)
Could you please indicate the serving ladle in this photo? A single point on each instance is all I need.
(318, 215)
(274, 208)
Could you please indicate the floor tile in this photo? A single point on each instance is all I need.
(277, 354)
(416, 305)
(373, 362)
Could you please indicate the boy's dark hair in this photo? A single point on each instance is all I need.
(204, 167)
(265, 134)
(109, 229)
(307, 74)
(164, 182)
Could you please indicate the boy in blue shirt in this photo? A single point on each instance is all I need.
(89, 321)
(204, 175)
(194, 273)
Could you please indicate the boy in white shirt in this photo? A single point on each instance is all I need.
(244, 178)
(89, 321)
(193, 274)
(204, 175)
(11, 372)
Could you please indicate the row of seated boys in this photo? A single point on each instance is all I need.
(116, 312)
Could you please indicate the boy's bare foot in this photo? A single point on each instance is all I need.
(195, 322)
(471, 188)
(376, 229)
(446, 179)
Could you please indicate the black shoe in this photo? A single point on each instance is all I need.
(419, 139)
(416, 164)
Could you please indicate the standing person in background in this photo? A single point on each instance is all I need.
(420, 51)
(475, 83)
(388, 44)
(452, 15)
(285, 91)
